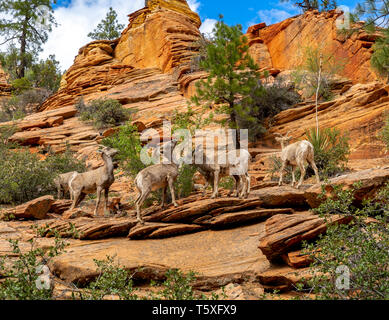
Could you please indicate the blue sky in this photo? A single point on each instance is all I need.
(77, 18)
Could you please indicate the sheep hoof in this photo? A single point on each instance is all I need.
(175, 204)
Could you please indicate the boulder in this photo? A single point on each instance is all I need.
(219, 257)
(60, 206)
(35, 209)
(371, 179)
(284, 233)
(284, 196)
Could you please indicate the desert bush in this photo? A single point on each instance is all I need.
(266, 101)
(103, 113)
(178, 286)
(331, 151)
(64, 162)
(23, 176)
(19, 105)
(352, 261)
(112, 280)
(21, 277)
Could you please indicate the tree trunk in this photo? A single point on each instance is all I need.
(23, 47)
(233, 120)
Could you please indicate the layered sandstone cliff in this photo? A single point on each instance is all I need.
(281, 46)
(143, 65)
(148, 69)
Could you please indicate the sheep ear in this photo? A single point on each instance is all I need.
(278, 139)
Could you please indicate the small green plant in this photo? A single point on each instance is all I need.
(21, 276)
(112, 280)
(103, 113)
(331, 151)
(352, 261)
(266, 101)
(178, 286)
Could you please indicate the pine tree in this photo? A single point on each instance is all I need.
(108, 29)
(376, 14)
(28, 23)
(380, 57)
(232, 74)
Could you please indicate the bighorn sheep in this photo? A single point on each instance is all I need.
(62, 183)
(155, 177)
(213, 172)
(295, 155)
(94, 181)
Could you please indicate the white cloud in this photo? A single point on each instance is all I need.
(207, 26)
(77, 20)
(286, 10)
(194, 5)
(273, 16)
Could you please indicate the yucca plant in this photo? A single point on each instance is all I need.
(331, 150)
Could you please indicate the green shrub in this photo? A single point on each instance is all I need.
(331, 151)
(20, 85)
(360, 249)
(112, 280)
(23, 176)
(178, 286)
(184, 184)
(20, 275)
(129, 147)
(64, 162)
(385, 133)
(265, 103)
(103, 113)
(19, 105)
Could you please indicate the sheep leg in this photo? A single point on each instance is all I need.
(215, 184)
(236, 186)
(171, 187)
(164, 189)
(314, 167)
(293, 176)
(303, 170)
(59, 192)
(139, 204)
(98, 193)
(281, 174)
(248, 183)
(205, 188)
(106, 194)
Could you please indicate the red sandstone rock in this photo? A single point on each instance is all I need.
(35, 209)
(286, 232)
